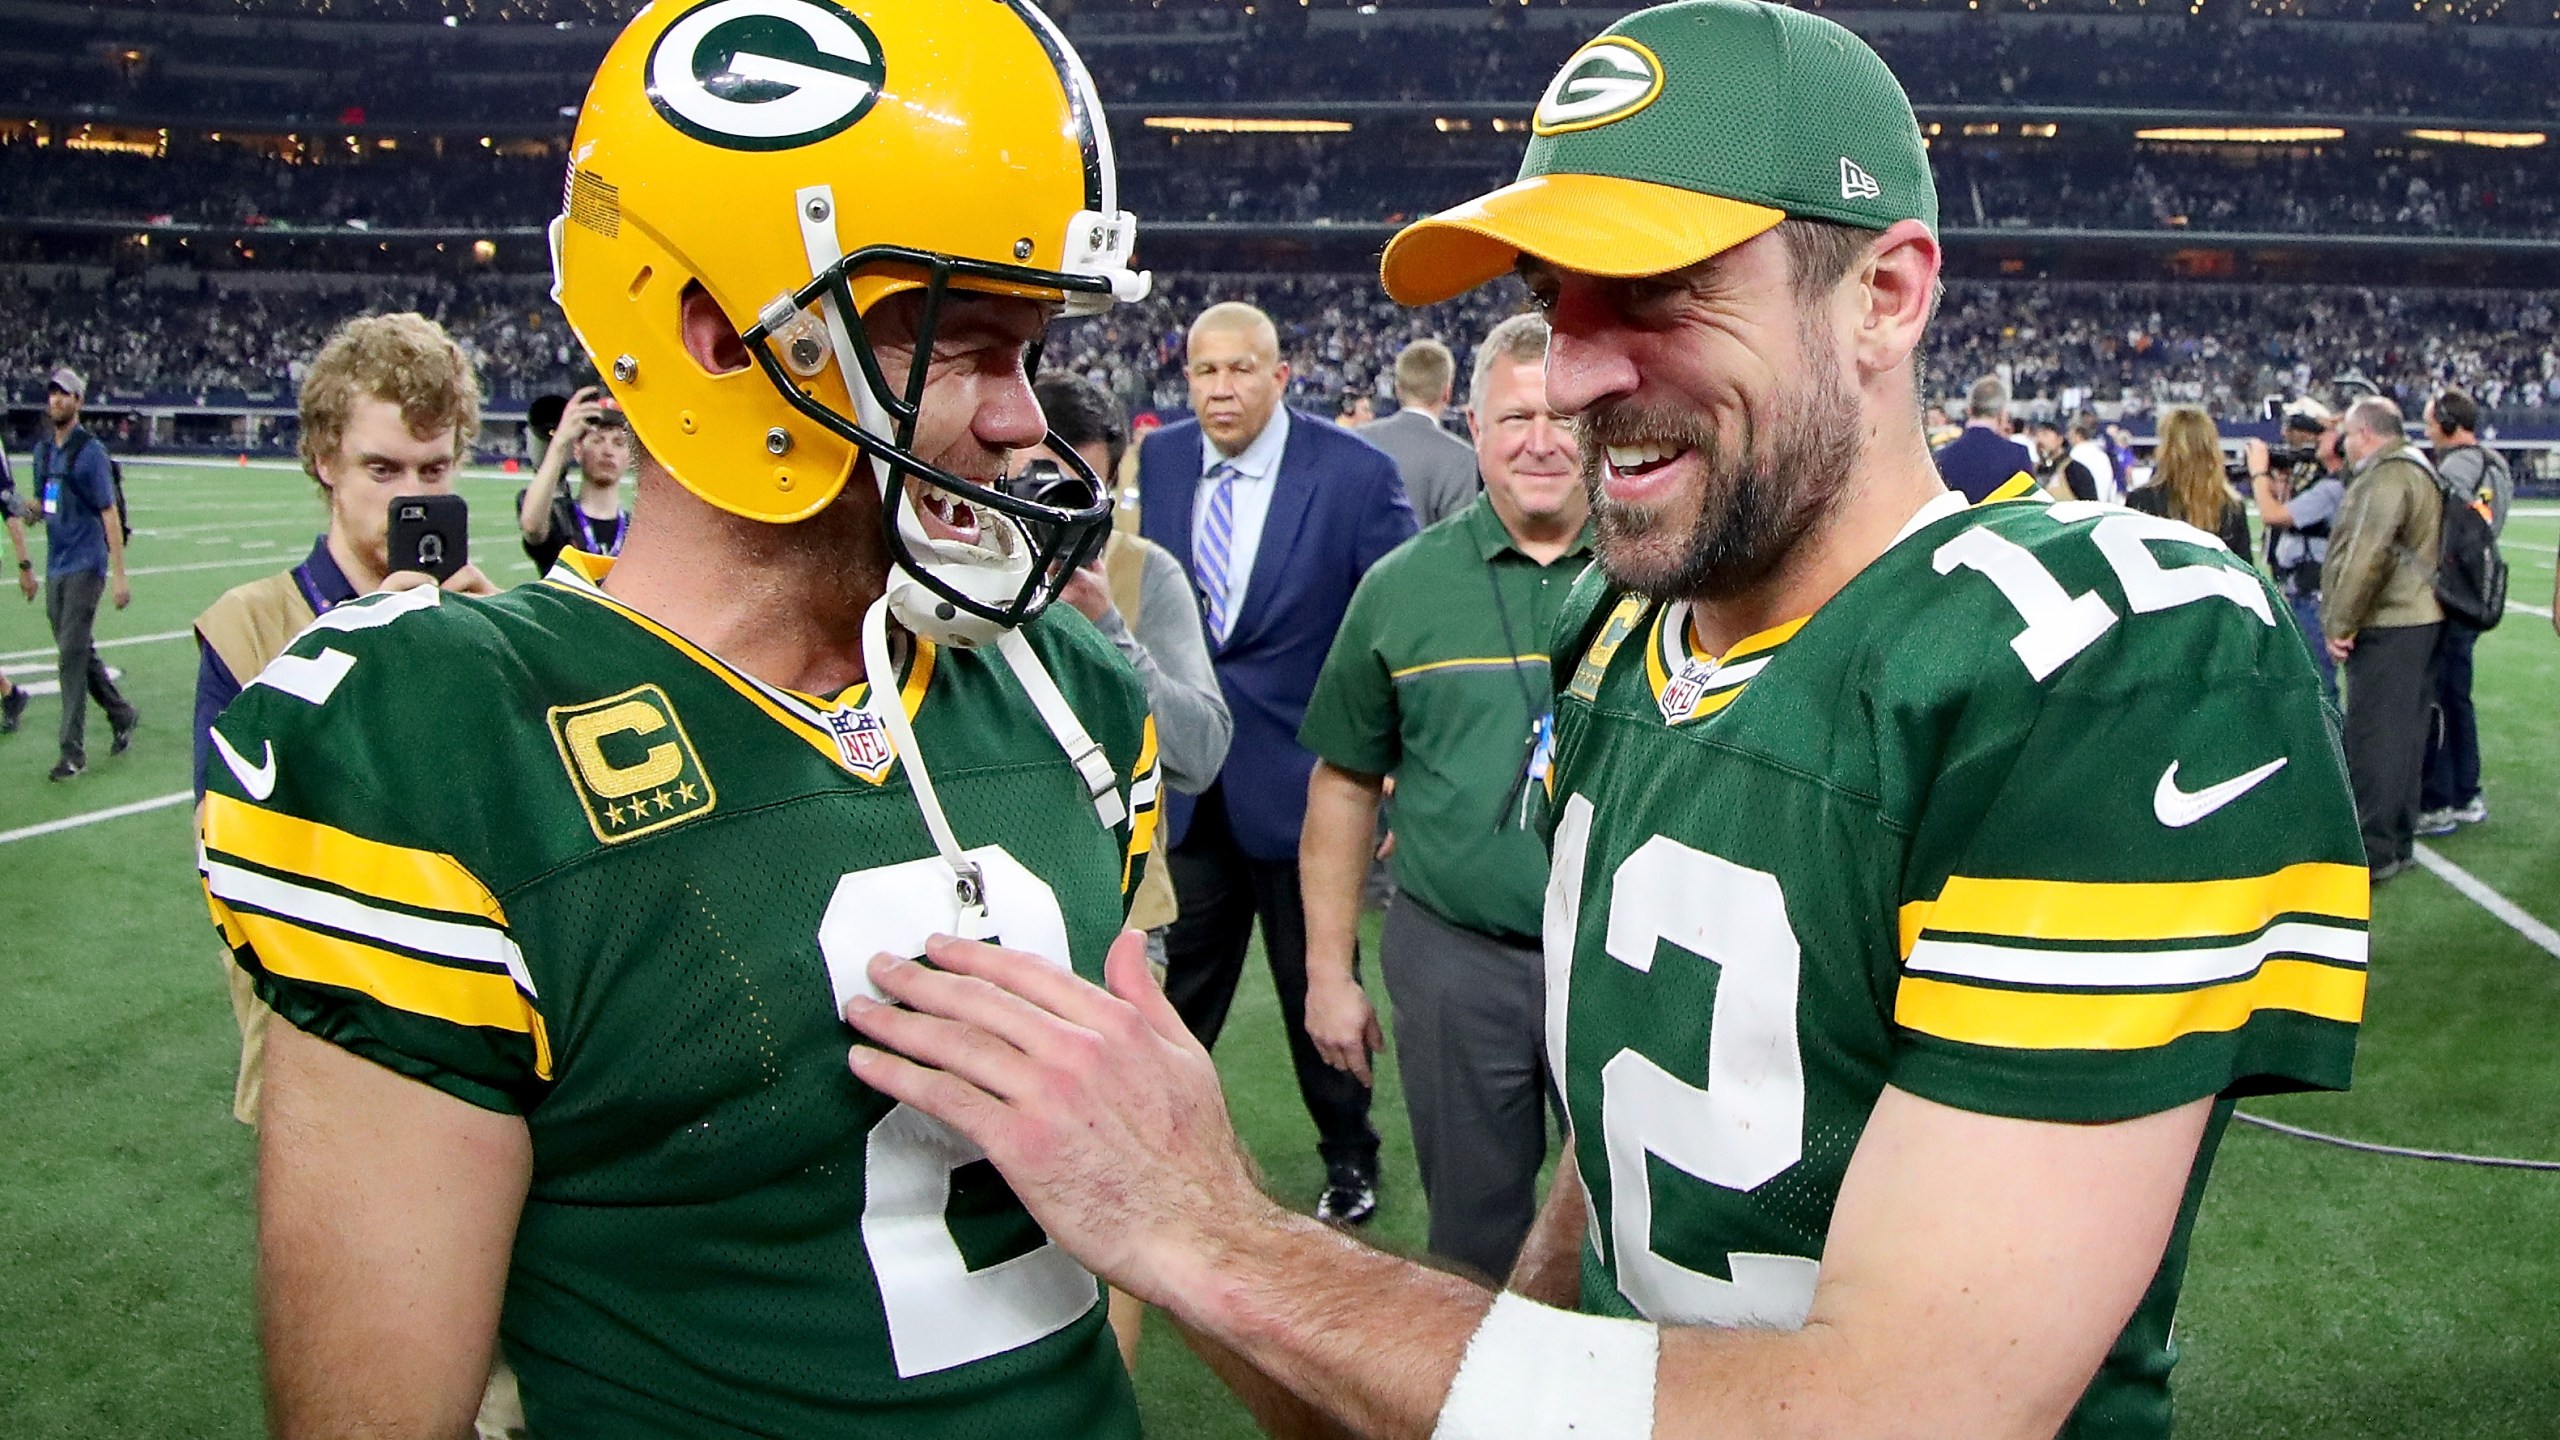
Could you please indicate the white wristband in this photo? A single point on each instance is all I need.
(1533, 1372)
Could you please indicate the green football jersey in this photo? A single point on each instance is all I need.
(2041, 816)
(542, 854)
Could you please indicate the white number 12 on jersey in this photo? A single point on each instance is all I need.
(1746, 1126)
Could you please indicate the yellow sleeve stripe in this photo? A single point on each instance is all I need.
(2030, 1020)
(1469, 662)
(479, 999)
(2112, 912)
(2016, 487)
(222, 920)
(420, 879)
(1146, 752)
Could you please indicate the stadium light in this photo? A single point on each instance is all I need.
(2244, 134)
(1244, 125)
(2486, 139)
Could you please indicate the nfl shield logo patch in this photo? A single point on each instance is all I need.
(1686, 689)
(862, 742)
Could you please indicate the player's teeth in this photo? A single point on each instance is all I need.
(1631, 457)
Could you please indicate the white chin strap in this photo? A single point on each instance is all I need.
(1093, 767)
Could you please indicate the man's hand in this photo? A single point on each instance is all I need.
(120, 589)
(1089, 592)
(1343, 1024)
(2340, 647)
(1101, 1110)
(466, 581)
(575, 417)
(27, 585)
(2255, 452)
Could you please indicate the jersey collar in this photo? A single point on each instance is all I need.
(834, 726)
(1690, 684)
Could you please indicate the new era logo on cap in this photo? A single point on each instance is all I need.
(1857, 184)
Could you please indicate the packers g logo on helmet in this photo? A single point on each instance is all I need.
(765, 74)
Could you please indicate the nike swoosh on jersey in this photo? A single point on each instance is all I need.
(259, 780)
(2179, 809)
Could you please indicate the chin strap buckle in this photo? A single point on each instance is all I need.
(1101, 782)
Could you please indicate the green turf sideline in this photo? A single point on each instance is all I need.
(117, 812)
(2481, 894)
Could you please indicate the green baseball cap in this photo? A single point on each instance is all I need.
(1677, 134)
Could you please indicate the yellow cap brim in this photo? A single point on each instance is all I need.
(1594, 224)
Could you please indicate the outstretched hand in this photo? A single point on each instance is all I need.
(1097, 1104)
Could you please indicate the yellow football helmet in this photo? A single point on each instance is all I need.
(801, 161)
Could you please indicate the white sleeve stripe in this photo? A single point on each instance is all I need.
(477, 945)
(2123, 969)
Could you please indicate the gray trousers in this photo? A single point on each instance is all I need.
(1470, 1035)
(2390, 685)
(71, 604)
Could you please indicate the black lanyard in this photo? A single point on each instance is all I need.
(1541, 718)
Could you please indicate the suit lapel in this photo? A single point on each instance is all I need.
(1177, 487)
(1293, 493)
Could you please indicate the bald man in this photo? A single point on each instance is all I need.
(1275, 514)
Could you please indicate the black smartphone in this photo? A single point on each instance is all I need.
(431, 534)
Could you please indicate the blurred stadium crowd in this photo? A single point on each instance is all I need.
(2275, 66)
(2133, 347)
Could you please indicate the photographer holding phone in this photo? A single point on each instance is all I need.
(387, 407)
(592, 520)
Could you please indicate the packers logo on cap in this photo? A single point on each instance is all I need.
(1609, 79)
(765, 74)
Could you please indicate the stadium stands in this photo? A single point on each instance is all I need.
(303, 172)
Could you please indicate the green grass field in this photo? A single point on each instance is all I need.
(2332, 1295)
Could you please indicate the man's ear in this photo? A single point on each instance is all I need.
(1475, 428)
(708, 336)
(1897, 281)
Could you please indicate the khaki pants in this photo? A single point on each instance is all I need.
(252, 1014)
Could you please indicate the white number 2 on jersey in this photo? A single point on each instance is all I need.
(942, 1313)
(1746, 1126)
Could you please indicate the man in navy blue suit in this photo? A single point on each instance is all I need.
(1275, 514)
(1984, 459)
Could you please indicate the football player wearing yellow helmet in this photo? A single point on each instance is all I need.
(563, 955)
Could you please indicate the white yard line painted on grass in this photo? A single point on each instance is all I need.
(2477, 891)
(74, 822)
(38, 688)
(2529, 609)
(232, 563)
(118, 642)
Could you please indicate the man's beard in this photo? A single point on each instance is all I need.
(1755, 507)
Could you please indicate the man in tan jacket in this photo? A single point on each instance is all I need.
(2378, 609)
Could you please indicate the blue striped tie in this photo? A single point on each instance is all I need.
(1217, 544)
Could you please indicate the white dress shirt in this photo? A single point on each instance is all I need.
(1257, 474)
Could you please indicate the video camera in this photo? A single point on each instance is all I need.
(2281, 460)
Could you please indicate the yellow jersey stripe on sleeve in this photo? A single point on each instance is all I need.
(1146, 794)
(2071, 910)
(2016, 487)
(2040, 1020)
(481, 999)
(421, 879)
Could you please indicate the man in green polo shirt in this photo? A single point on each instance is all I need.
(1438, 678)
